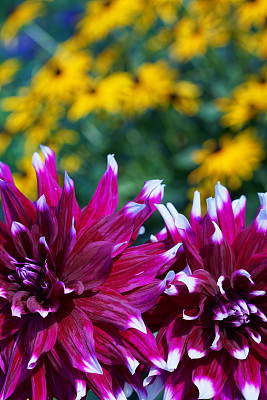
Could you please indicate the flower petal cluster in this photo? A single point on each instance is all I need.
(64, 331)
(214, 338)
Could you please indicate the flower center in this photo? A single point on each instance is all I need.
(31, 275)
(233, 312)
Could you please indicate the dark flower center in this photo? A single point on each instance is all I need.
(31, 275)
(232, 312)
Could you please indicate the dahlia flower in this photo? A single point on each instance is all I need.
(62, 332)
(215, 342)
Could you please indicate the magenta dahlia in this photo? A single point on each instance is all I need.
(62, 331)
(214, 337)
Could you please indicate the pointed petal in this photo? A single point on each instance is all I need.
(46, 184)
(225, 213)
(105, 199)
(47, 221)
(50, 161)
(16, 207)
(91, 265)
(38, 380)
(107, 307)
(211, 374)
(75, 335)
(40, 337)
(247, 377)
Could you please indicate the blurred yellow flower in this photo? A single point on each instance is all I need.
(102, 17)
(5, 140)
(22, 15)
(193, 36)
(108, 94)
(8, 69)
(24, 108)
(253, 12)
(245, 102)
(185, 97)
(153, 87)
(71, 163)
(231, 160)
(25, 178)
(63, 75)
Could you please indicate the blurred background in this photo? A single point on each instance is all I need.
(177, 90)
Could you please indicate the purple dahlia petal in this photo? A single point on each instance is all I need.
(50, 161)
(219, 255)
(225, 213)
(60, 362)
(59, 387)
(107, 307)
(67, 211)
(176, 337)
(105, 199)
(22, 239)
(111, 350)
(143, 347)
(237, 345)
(46, 184)
(172, 229)
(38, 380)
(195, 216)
(199, 343)
(192, 253)
(36, 305)
(179, 384)
(137, 267)
(211, 374)
(47, 221)
(257, 267)
(19, 303)
(143, 298)
(247, 377)
(16, 361)
(230, 390)
(5, 173)
(8, 324)
(248, 243)
(101, 385)
(16, 207)
(40, 337)
(75, 334)
(239, 209)
(152, 191)
(116, 228)
(91, 265)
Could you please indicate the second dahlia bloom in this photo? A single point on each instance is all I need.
(61, 331)
(215, 335)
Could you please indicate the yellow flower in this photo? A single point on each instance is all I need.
(185, 97)
(105, 60)
(194, 35)
(108, 94)
(153, 87)
(255, 43)
(252, 13)
(5, 140)
(245, 102)
(231, 161)
(25, 177)
(24, 108)
(22, 15)
(62, 76)
(104, 16)
(71, 163)
(7, 70)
